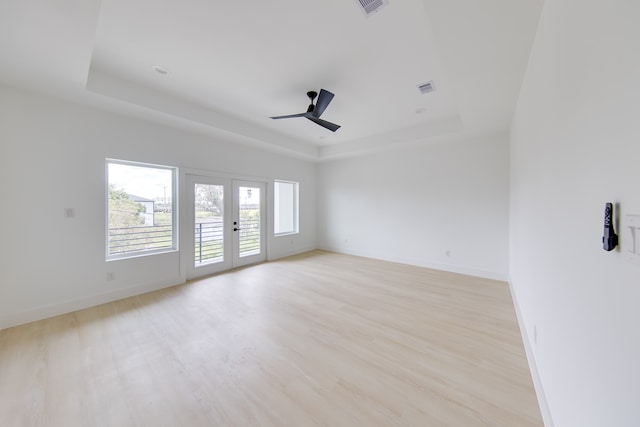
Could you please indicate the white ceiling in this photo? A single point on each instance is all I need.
(233, 64)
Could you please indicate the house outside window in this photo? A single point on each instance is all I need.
(141, 209)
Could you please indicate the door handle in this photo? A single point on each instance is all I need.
(236, 229)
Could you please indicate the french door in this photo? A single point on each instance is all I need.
(227, 223)
(248, 222)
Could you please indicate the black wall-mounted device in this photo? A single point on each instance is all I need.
(610, 238)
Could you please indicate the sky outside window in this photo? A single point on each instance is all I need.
(148, 182)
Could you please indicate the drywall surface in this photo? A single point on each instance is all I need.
(441, 205)
(575, 145)
(52, 157)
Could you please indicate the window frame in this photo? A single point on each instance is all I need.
(296, 208)
(174, 211)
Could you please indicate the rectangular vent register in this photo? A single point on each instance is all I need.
(372, 6)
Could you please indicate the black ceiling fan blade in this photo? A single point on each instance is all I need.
(290, 116)
(331, 126)
(324, 98)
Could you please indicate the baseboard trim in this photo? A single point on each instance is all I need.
(421, 263)
(285, 254)
(52, 310)
(533, 368)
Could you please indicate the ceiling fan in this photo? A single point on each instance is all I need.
(314, 112)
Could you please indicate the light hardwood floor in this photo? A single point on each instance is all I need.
(318, 339)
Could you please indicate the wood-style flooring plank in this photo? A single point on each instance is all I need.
(318, 339)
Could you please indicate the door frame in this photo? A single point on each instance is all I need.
(230, 252)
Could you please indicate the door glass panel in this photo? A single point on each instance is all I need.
(249, 220)
(209, 224)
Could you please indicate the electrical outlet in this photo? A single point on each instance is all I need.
(69, 212)
(111, 276)
(448, 252)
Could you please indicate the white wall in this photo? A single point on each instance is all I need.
(414, 203)
(576, 145)
(52, 157)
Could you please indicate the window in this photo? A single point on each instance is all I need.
(141, 209)
(285, 196)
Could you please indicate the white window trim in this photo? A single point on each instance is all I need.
(296, 204)
(174, 211)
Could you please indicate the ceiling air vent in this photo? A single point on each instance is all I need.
(372, 6)
(426, 87)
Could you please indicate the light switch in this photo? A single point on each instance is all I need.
(631, 238)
